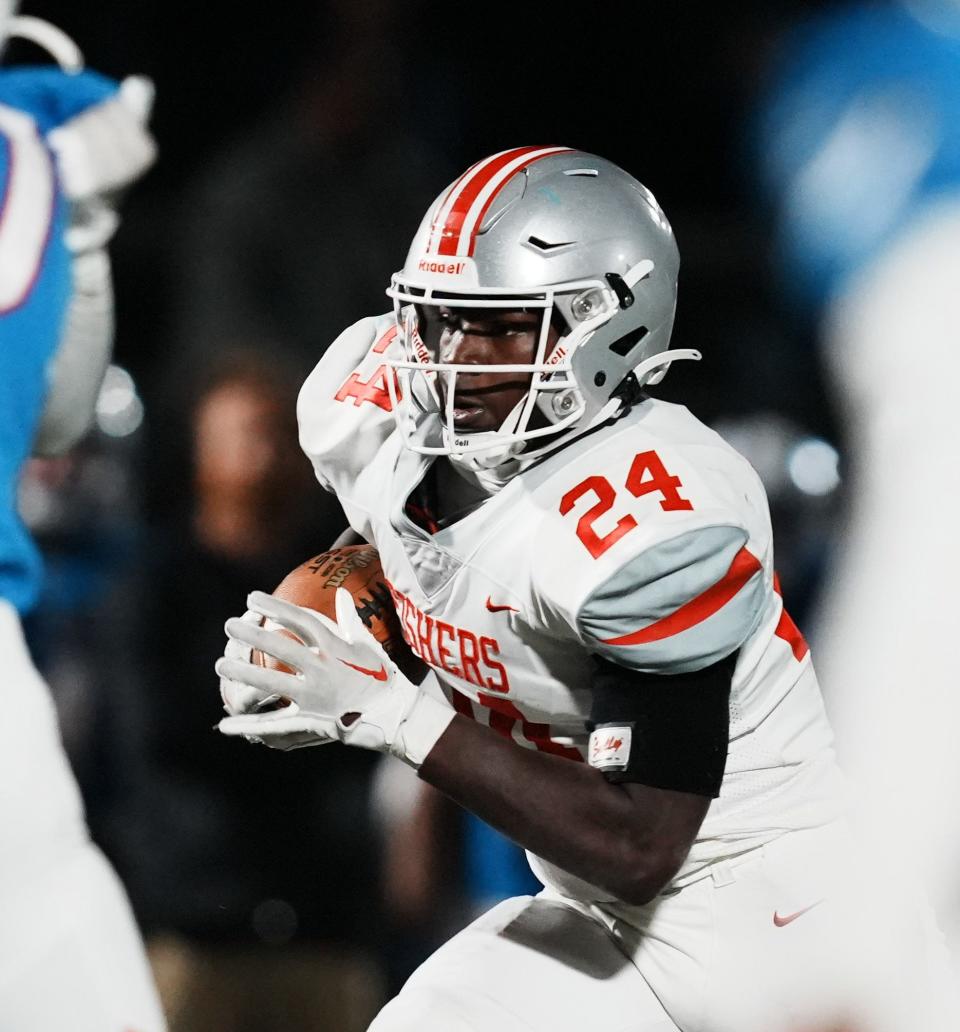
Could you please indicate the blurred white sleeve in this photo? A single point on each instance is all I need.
(77, 369)
(885, 634)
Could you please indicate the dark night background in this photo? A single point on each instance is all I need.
(299, 146)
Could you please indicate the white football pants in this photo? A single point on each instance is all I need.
(800, 936)
(70, 953)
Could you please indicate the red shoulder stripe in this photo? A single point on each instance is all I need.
(787, 629)
(742, 569)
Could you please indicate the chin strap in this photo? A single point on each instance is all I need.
(493, 467)
(492, 478)
(653, 369)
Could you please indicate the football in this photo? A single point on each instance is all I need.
(357, 568)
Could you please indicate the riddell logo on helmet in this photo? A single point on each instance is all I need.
(449, 268)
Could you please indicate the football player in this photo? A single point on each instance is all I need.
(614, 681)
(70, 953)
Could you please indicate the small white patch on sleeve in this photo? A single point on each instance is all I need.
(610, 747)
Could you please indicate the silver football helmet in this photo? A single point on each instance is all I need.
(560, 233)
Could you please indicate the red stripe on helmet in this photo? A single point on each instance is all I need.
(446, 231)
(442, 206)
(449, 239)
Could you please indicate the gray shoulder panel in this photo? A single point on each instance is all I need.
(679, 606)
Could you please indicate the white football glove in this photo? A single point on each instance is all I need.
(243, 699)
(345, 688)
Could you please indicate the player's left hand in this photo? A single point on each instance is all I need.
(344, 686)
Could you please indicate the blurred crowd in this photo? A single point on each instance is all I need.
(298, 151)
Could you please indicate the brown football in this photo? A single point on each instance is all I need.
(357, 568)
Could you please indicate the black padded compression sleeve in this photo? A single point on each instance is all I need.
(663, 730)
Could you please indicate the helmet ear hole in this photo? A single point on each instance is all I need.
(624, 345)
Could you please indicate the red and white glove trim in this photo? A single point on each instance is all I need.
(344, 685)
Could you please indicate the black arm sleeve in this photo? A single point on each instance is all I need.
(679, 724)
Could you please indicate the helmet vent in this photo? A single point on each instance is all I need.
(626, 344)
(543, 245)
(581, 172)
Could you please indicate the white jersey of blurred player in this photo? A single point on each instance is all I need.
(887, 622)
(884, 285)
(653, 516)
(70, 953)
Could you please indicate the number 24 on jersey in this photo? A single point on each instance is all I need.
(647, 475)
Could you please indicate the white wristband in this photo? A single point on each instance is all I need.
(421, 729)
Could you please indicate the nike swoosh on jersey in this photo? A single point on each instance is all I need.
(782, 922)
(491, 607)
(378, 675)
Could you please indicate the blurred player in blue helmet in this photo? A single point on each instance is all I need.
(857, 142)
(70, 141)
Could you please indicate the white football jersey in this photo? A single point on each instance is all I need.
(646, 542)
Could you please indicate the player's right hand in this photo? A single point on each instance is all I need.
(341, 683)
(243, 700)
